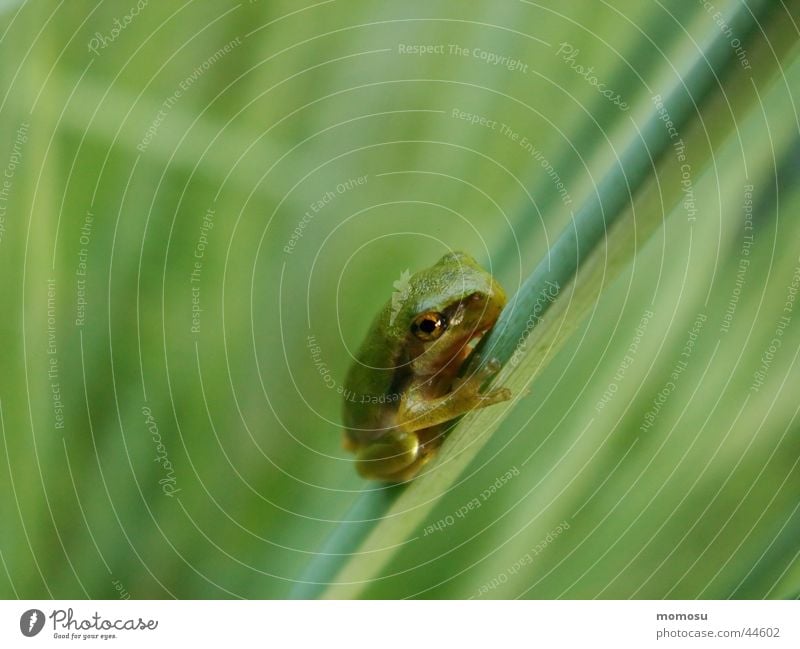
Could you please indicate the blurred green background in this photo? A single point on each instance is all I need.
(192, 190)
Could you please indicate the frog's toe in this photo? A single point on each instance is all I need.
(492, 366)
(495, 396)
(485, 371)
(474, 381)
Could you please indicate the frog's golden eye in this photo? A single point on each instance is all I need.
(429, 326)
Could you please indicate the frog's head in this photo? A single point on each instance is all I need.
(448, 307)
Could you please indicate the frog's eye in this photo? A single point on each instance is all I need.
(429, 326)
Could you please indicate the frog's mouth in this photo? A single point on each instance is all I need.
(473, 342)
(468, 346)
(486, 322)
(450, 360)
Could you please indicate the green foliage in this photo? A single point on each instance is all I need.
(206, 462)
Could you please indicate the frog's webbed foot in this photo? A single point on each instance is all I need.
(471, 385)
(390, 457)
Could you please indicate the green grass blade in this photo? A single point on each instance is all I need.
(593, 249)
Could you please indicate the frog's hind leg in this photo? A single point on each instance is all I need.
(430, 439)
(410, 471)
(389, 457)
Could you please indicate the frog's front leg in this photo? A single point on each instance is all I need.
(418, 411)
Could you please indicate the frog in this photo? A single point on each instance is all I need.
(406, 382)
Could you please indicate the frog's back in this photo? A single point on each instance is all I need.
(370, 387)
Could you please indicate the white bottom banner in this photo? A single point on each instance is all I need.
(388, 624)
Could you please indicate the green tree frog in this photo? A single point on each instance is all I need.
(404, 384)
